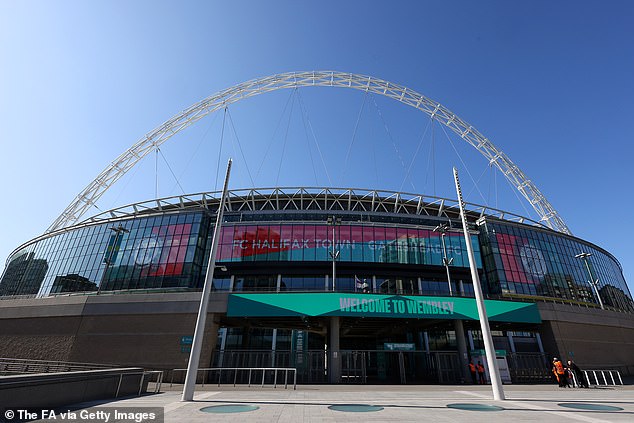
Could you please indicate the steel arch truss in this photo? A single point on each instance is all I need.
(188, 117)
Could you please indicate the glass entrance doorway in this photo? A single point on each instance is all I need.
(400, 367)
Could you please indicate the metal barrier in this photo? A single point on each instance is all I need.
(21, 366)
(148, 375)
(597, 381)
(243, 370)
(529, 367)
(52, 390)
(377, 366)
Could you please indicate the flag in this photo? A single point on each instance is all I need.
(357, 283)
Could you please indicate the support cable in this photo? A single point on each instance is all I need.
(486, 202)
(420, 143)
(490, 181)
(464, 165)
(123, 189)
(310, 151)
(376, 165)
(235, 134)
(495, 184)
(268, 147)
(156, 171)
(222, 136)
(354, 133)
(312, 131)
(288, 125)
(433, 158)
(197, 149)
(430, 157)
(171, 171)
(389, 134)
(519, 200)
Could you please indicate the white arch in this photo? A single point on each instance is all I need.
(158, 136)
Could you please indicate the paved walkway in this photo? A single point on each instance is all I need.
(310, 403)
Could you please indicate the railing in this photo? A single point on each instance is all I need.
(374, 366)
(16, 366)
(529, 367)
(243, 370)
(22, 366)
(597, 381)
(52, 390)
(147, 375)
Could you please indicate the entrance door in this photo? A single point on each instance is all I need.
(448, 367)
(353, 367)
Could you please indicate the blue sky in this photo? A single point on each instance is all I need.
(550, 83)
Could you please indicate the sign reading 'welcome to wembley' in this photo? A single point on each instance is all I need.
(374, 305)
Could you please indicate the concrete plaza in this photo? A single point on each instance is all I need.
(310, 403)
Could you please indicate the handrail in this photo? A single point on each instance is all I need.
(57, 389)
(610, 373)
(23, 366)
(159, 380)
(603, 372)
(250, 369)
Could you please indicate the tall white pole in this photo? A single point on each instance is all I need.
(494, 371)
(199, 333)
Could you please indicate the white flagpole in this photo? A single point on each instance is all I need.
(492, 364)
(199, 332)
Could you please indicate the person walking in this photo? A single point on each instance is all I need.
(481, 373)
(472, 370)
(560, 372)
(576, 370)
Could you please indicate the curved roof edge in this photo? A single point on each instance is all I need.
(307, 199)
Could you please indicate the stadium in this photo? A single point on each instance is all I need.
(345, 285)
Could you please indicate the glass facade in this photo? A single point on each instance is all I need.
(170, 251)
(355, 243)
(525, 261)
(153, 252)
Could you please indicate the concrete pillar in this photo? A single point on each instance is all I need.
(223, 342)
(334, 368)
(273, 346)
(426, 339)
(279, 282)
(470, 337)
(420, 286)
(211, 339)
(421, 342)
(462, 350)
(539, 342)
(509, 335)
(232, 282)
(373, 283)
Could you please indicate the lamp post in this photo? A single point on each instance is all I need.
(443, 228)
(118, 231)
(334, 221)
(593, 282)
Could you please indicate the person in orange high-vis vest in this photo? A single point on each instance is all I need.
(481, 373)
(560, 372)
(472, 370)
